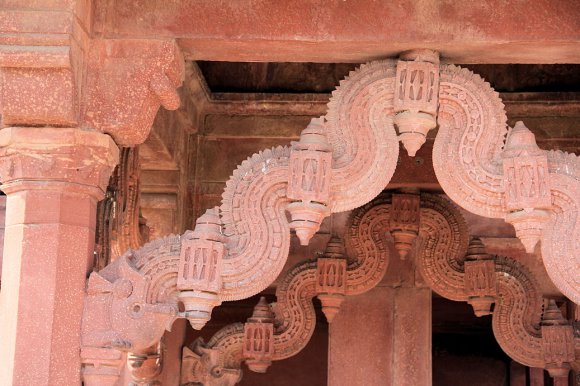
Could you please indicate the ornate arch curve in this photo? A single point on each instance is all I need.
(509, 177)
(342, 160)
(529, 330)
(290, 322)
(331, 278)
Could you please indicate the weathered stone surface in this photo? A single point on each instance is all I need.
(394, 337)
(53, 179)
(492, 32)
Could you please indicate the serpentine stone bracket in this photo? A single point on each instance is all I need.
(331, 278)
(282, 329)
(530, 331)
(537, 191)
(342, 161)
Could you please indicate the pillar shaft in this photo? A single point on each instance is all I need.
(53, 179)
(382, 337)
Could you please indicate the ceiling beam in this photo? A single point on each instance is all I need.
(486, 31)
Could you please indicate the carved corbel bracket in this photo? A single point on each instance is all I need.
(535, 190)
(126, 82)
(331, 277)
(527, 334)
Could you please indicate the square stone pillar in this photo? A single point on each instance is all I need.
(383, 337)
(53, 178)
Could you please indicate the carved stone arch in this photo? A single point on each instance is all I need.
(293, 316)
(342, 160)
(519, 318)
(487, 173)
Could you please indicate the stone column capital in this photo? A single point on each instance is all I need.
(56, 158)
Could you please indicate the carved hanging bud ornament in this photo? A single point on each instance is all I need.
(309, 182)
(404, 221)
(331, 278)
(258, 347)
(200, 267)
(416, 97)
(527, 185)
(480, 280)
(557, 341)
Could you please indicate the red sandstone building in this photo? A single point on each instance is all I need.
(303, 193)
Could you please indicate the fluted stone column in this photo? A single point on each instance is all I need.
(383, 337)
(53, 178)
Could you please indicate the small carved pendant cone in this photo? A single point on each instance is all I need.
(331, 278)
(258, 348)
(557, 341)
(480, 282)
(200, 266)
(309, 181)
(416, 97)
(527, 185)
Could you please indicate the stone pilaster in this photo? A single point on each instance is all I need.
(53, 178)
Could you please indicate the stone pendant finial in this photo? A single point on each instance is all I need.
(331, 278)
(416, 97)
(527, 185)
(258, 347)
(480, 280)
(200, 266)
(557, 341)
(309, 181)
(404, 221)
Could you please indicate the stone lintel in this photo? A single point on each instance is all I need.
(311, 31)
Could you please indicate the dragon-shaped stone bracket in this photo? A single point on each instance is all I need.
(342, 161)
